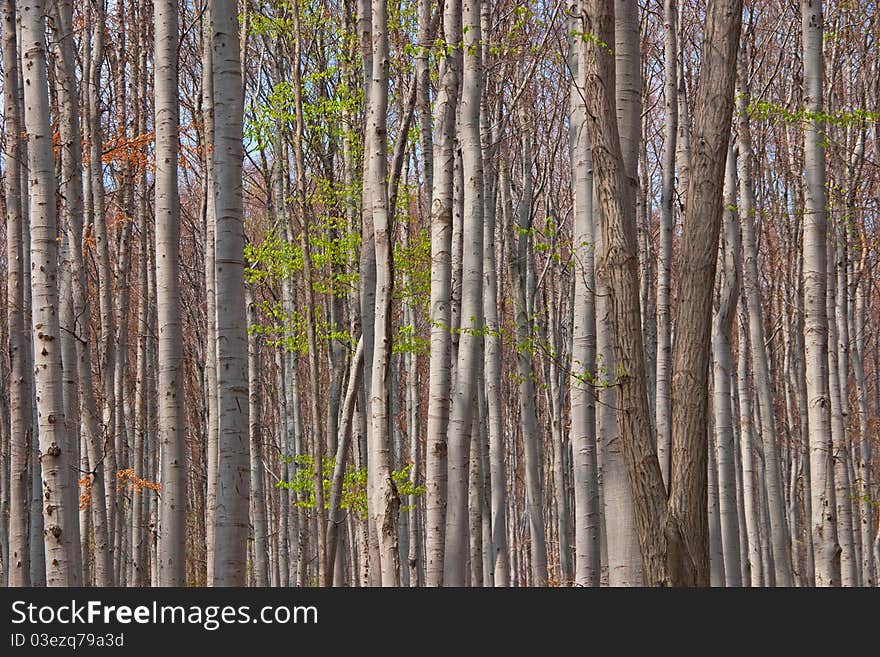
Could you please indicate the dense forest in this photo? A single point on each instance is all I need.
(440, 293)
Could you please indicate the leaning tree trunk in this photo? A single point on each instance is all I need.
(695, 276)
(172, 538)
(233, 478)
(54, 437)
(618, 263)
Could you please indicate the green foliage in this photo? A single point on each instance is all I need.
(413, 262)
(408, 341)
(764, 110)
(354, 484)
(288, 330)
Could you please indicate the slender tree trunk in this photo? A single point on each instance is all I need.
(843, 490)
(213, 424)
(172, 539)
(583, 354)
(258, 503)
(664, 259)
(493, 381)
(440, 367)
(106, 352)
(823, 522)
(233, 479)
(54, 437)
(385, 502)
(470, 341)
(780, 540)
(721, 406)
(20, 402)
(751, 493)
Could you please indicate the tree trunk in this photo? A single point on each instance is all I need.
(695, 273)
(172, 539)
(721, 406)
(385, 502)
(618, 263)
(20, 402)
(258, 499)
(233, 479)
(583, 354)
(54, 437)
(824, 524)
(440, 368)
(667, 221)
(471, 316)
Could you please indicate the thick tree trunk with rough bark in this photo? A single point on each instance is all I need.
(695, 275)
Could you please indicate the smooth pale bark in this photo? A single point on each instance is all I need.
(172, 538)
(722, 329)
(621, 535)
(823, 521)
(745, 566)
(70, 189)
(779, 529)
(90, 415)
(258, 500)
(233, 479)
(843, 489)
(461, 419)
(213, 423)
(863, 468)
(106, 351)
(385, 501)
(367, 282)
(20, 402)
(348, 404)
(664, 255)
(716, 551)
(583, 354)
(54, 439)
(427, 28)
(139, 529)
(493, 381)
(555, 392)
(694, 284)
(440, 367)
(751, 493)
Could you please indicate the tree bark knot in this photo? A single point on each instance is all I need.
(391, 509)
(681, 569)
